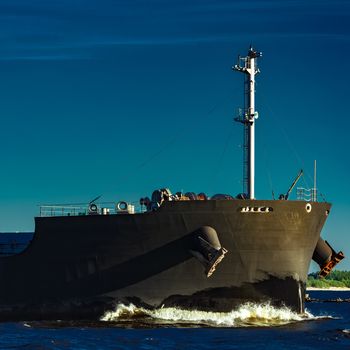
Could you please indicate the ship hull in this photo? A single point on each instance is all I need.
(78, 267)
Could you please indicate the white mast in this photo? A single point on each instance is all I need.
(248, 119)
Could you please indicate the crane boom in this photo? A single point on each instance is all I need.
(293, 184)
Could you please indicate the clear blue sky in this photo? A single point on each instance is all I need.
(122, 97)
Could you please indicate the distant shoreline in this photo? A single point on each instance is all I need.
(338, 289)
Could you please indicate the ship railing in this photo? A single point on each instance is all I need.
(104, 208)
(307, 194)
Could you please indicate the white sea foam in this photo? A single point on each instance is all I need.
(248, 314)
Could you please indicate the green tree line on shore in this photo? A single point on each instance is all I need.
(334, 279)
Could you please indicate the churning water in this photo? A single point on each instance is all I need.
(326, 325)
(248, 314)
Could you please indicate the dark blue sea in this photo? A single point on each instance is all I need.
(325, 326)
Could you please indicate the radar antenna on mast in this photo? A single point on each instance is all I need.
(248, 66)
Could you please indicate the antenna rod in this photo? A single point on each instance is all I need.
(315, 188)
(248, 119)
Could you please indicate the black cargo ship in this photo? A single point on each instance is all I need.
(182, 250)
